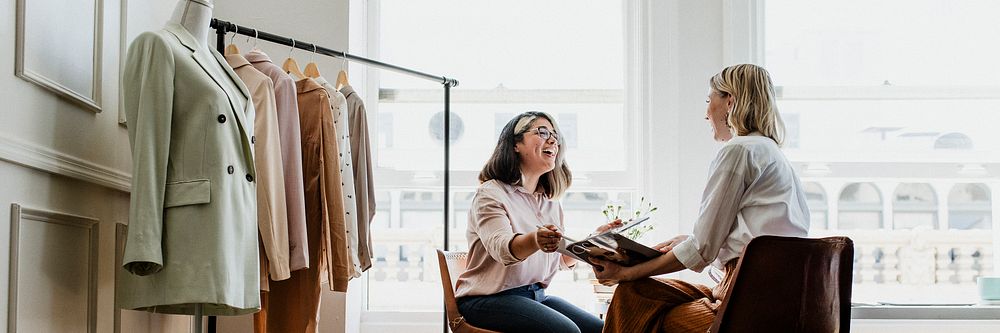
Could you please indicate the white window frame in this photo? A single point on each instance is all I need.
(743, 42)
(636, 105)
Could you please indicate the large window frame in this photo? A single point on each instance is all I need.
(634, 98)
(743, 42)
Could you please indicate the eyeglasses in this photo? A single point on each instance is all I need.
(545, 133)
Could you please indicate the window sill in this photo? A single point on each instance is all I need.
(936, 312)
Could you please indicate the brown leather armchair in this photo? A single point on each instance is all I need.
(454, 262)
(788, 284)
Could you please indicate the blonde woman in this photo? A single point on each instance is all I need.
(514, 228)
(752, 190)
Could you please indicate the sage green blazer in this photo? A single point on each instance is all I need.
(192, 234)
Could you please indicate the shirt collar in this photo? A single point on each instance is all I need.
(306, 85)
(236, 61)
(183, 36)
(322, 81)
(257, 56)
(347, 90)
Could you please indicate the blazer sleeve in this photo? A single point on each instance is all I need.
(148, 87)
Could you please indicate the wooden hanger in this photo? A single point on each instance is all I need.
(291, 67)
(312, 70)
(231, 48)
(342, 76)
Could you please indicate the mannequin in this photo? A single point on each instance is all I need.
(195, 16)
(192, 238)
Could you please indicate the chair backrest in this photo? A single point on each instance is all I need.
(788, 284)
(451, 264)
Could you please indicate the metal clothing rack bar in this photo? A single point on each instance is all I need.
(222, 27)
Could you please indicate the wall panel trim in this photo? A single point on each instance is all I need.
(20, 215)
(48, 160)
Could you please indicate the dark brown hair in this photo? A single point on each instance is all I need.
(505, 164)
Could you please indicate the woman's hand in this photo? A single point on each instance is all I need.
(608, 226)
(609, 273)
(670, 244)
(547, 239)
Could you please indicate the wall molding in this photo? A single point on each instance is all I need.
(51, 161)
(92, 100)
(89, 230)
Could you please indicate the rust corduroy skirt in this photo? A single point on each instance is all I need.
(665, 305)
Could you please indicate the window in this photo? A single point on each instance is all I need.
(816, 199)
(505, 66)
(881, 103)
(860, 207)
(969, 207)
(914, 206)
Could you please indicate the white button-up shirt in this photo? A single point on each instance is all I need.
(752, 191)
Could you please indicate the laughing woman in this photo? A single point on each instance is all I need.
(511, 258)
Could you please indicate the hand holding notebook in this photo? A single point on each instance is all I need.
(610, 245)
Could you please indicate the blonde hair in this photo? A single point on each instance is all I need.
(505, 164)
(754, 108)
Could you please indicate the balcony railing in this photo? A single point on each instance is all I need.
(903, 257)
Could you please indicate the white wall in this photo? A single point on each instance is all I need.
(685, 50)
(47, 145)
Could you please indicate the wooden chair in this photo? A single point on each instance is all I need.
(452, 264)
(788, 284)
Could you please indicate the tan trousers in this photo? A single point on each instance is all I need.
(665, 305)
(293, 305)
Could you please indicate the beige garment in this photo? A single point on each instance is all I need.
(364, 188)
(272, 216)
(293, 304)
(287, 105)
(338, 105)
(499, 212)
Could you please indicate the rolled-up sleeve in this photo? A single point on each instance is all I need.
(720, 205)
(492, 225)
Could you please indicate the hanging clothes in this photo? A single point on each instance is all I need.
(287, 108)
(272, 214)
(192, 234)
(341, 121)
(362, 162)
(293, 304)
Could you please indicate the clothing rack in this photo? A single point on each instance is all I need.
(222, 27)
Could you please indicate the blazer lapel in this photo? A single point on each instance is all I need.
(240, 113)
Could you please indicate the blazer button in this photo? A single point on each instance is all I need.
(222, 118)
(249, 178)
(230, 169)
(253, 139)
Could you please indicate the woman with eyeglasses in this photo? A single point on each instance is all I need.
(515, 225)
(752, 190)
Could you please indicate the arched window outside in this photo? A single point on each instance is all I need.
(914, 205)
(816, 199)
(860, 207)
(970, 207)
(953, 141)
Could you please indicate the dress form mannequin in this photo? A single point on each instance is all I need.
(195, 16)
(179, 92)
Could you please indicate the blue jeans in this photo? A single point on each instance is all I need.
(526, 309)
